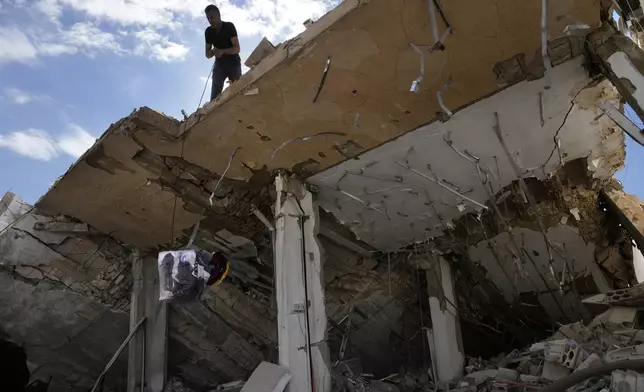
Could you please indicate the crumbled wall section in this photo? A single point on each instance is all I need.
(605, 43)
(88, 263)
(631, 205)
(64, 289)
(67, 336)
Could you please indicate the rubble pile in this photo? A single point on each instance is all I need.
(612, 338)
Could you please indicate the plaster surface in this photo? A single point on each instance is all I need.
(390, 196)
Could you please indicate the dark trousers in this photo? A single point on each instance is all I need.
(221, 71)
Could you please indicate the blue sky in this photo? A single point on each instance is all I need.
(630, 176)
(70, 68)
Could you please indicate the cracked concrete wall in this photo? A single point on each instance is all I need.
(88, 263)
(67, 336)
(11, 208)
(63, 295)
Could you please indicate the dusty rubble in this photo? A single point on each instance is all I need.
(615, 334)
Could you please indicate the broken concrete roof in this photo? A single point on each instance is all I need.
(366, 97)
(412, 188)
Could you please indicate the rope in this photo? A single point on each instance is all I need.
(183, 145)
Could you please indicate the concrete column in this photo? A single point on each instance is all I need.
(298, 278)
(137, 311)
(447, 344)
(156, 329)
(147, 351)
(638, 264)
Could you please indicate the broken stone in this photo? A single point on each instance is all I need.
(626, 381)
(553, 371)
(592, 361)
(507, 374)
(575, 331)
(575, 213)
(616, 318)
(253, 91)
(479, 377)
(626, 353)
(381, 386)
(529, 378)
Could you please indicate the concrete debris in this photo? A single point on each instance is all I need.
(253, 91)
(592, 361)
(576, 29)
(611, 336)
(627, 381)
(553, 371)
(175, 385)
(267, 377)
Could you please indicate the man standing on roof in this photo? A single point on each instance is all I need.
(223, 44)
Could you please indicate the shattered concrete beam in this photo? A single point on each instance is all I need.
(340, 240)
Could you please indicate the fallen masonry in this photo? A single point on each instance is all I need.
(606, 354)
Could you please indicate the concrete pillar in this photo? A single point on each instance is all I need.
(147, 351)
(156, 329)
(137, 311)
(447, 344)
(638, 264)
(298, 278)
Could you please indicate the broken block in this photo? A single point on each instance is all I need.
(626, 381)
(592, 361)
(553, 371)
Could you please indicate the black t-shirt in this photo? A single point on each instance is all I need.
(222, 39)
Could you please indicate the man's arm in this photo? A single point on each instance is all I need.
(209, 51)
(234, 40)
(235, 49)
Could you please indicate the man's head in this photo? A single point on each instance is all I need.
(213, 15)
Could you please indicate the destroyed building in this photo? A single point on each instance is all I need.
(404, 184)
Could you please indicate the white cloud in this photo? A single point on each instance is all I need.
(15, 46)
(51, 8)
(272, 18)
(158, 46)
(32, 143)
(18, 96)
(275, 19)
(75, 141)
(38, 144)
(84, 37)
(21, 97)
(155, 26)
